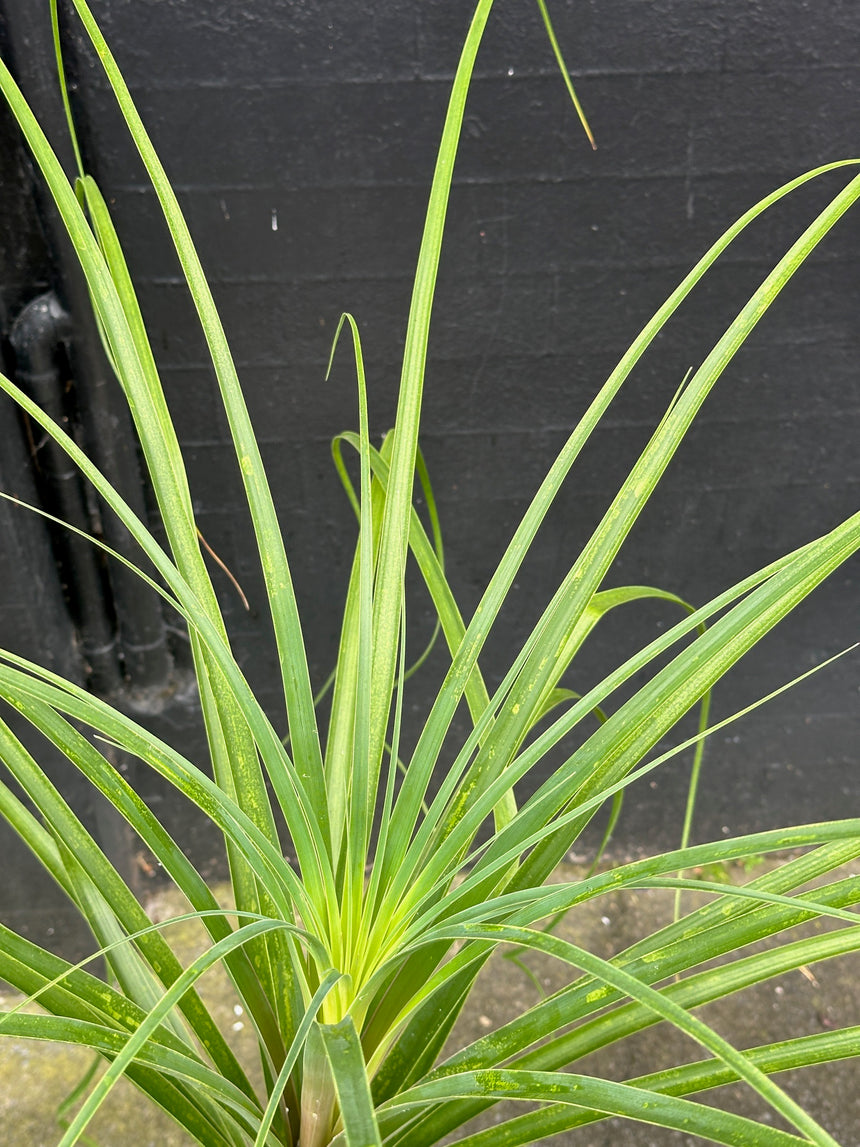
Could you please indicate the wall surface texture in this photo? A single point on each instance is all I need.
(300, 137)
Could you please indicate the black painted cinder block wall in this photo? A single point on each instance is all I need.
(301, 137)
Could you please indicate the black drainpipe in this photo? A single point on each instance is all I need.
(37, 338)
(61, 363)
(119, 628)
(119, 621)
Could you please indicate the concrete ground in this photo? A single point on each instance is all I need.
(35, 1078)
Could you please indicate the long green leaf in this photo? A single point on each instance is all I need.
(611, 752)
(398, 503)
(432, 737)
(43, 686)
(124, 908)
(277, 1090)
(292, 795)
(474, 888)
(523, 1130)
(722, 927)
(662, 1006)
(587, 572)
(343, 1048)
(154, 1018)
(610, 1098)
(288, 634)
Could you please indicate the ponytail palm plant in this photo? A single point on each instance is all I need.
(353, 963)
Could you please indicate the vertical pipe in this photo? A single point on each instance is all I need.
(36, 339)
(103, 420)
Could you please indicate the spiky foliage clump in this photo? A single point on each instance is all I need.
(353, 965)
